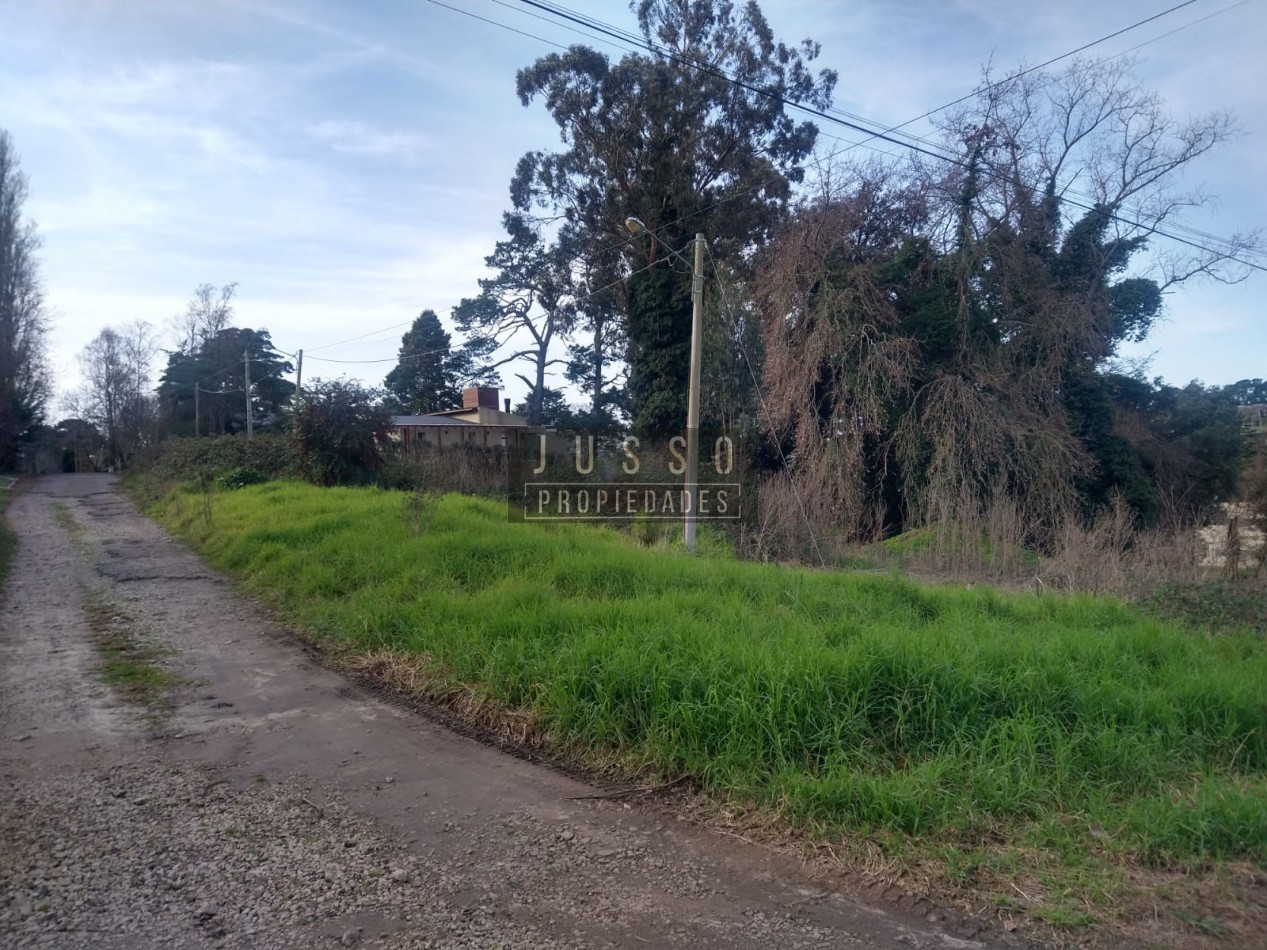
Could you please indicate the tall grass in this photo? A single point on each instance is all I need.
(846, 700)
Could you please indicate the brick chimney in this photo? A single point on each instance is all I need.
(479, 397)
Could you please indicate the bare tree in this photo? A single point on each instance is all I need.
(1091, 137)
(117, 397)
(24, 377)
(209, 311)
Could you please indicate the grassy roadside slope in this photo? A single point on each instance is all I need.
(8, 541)
(848, 701)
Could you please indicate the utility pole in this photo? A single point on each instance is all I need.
(299, 379)
(196, 413)
(246, 361)
(637, 226)
(692, 405)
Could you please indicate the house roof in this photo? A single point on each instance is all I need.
(401, 421)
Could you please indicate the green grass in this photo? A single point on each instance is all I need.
(850, 702)
(1217, 605)
(130, 662)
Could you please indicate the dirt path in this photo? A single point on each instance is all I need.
(278, 806)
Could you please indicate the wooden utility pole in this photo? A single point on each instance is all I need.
(196, 413)
(299, 378)
(692, 402)
(246, 361)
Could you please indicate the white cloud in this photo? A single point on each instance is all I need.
(358, 138)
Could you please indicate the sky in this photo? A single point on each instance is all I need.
(347, 165)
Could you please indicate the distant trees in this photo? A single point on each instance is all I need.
(430, 373)
(206, 372)
(1247, 392)
(209, 311)
(117, 395)
(25, 385)
(551, 409)
(217, 368)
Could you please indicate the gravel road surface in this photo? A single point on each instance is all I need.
(278, 805)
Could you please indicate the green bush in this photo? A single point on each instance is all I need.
(158, 468)
(339, 430)
(241, 477)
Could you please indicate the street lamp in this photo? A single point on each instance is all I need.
(636, 226)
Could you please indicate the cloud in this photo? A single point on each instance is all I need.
(358, 138)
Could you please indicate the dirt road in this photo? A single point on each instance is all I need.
(276, 805)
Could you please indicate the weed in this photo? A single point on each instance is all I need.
(1216, 605)
(241, 477)
(1205, 925)
(1062, 915)
(129, 661)
(62, 515)
(419, 510)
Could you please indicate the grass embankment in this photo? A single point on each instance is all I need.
(8, 540)
(847, 700)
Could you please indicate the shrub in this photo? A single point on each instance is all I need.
(339, 429)
(241, 477)
(469, 469)
(207, 460)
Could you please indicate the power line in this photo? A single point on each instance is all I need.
(1055, 59)
(326, 346)
(476, 16)
(413, 356)
(885, 136)
(545, 19)
(632, 42)
(627, 37)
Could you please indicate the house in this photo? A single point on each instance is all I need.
(478, 423)
(1253, 417)
(479, 406)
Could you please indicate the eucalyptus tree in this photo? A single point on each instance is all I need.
(691, 135)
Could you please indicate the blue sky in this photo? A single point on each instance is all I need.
(347, 164)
